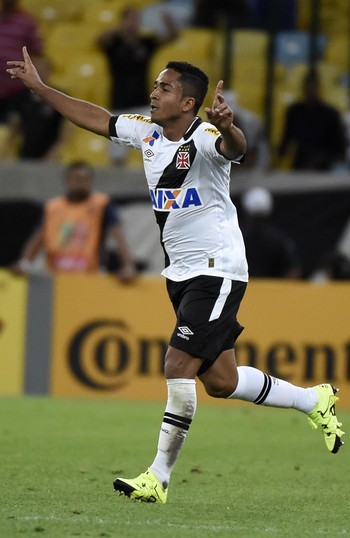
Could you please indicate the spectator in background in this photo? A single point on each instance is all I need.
(267, 12)
(17, 28)
(73, 229)
(270, 252)
(313, 130)
(129, 53)
(231, 13)
(40, 129)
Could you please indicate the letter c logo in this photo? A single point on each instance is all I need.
(100, 355)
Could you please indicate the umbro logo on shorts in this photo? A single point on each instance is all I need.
(185, 332)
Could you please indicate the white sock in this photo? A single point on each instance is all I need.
(262, 389)
(179, 412)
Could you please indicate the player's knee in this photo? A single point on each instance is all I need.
(180, 364)
(219, 390)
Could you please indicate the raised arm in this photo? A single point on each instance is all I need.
(233, 143)
(84, 114)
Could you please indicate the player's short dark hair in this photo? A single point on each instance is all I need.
(79, 164)
(194, 81)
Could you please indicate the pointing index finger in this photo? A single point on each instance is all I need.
(25, 53)
(219, 86)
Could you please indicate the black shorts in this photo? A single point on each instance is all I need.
(206, 309)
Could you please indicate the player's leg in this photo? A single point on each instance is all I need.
(180, 370)
(225, 380)
(152, 486)
(194, 302)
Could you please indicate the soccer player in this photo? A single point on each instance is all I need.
(187, 166)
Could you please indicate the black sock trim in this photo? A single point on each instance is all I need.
(176, 423)
(178, 417)
(265, 390)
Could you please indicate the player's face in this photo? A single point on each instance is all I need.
(167, 101)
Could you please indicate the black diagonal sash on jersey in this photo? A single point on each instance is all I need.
(173, 177)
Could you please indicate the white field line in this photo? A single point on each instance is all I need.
(156, 522)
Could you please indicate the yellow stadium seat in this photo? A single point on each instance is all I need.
(86, 76)
(66, 37)
(337, 51)
(303, 15)
(251, 98)
(248, 68)
(104, 14)
(49, 11)
(85, 146)
(338, 96)
(334, 17)
(249, 43)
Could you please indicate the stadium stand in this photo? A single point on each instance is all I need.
(86, 76)
(51, 12)
(294, 47)
(73, 26)
(85, 146)
(248, 64)
(66, 37)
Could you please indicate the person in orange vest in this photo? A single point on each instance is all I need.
(73, 229)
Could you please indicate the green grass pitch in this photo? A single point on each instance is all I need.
(244, 472)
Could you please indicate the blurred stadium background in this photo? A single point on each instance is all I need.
(263, 64)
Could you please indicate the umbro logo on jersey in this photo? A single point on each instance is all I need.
(151, 139)
(148, 153)
(171, 199)
(185, 332)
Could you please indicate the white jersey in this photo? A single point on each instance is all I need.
(189, 188)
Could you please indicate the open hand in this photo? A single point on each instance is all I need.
(24, 71)
(220, 114)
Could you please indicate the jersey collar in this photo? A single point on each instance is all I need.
(197, 121)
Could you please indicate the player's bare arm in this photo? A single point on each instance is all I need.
(81, 113)
(233, 143)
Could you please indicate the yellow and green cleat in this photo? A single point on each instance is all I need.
(145, 487)
(323, 416)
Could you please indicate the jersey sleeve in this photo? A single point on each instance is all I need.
(208, 144)
(129, 129)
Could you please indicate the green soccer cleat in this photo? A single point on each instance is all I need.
(323, 416)
(145, 488)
